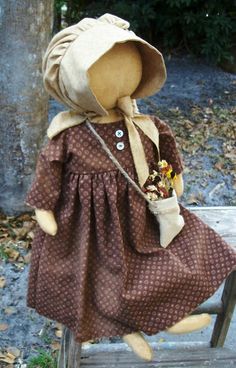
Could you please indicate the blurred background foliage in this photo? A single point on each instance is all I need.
(203, 28)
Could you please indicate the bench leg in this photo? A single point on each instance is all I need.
(223, 319)
(70, 351)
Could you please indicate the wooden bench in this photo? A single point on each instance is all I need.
(75, 355)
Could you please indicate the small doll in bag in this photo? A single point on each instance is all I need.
(103, 264)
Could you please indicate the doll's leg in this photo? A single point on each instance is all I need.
(190, 324)
(139, 345)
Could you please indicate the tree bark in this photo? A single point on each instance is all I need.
(25, 29)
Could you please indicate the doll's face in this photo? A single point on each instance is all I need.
(116, 74)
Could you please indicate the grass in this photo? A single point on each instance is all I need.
(47, 339)
(43, 360)
(3, 255)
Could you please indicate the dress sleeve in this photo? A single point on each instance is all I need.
(46, 186)
(167, 145)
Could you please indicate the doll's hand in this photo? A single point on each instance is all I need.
(179, 185)
(46, 221)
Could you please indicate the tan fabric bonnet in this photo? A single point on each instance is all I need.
(68, 57)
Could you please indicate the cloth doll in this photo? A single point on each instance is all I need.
(97, 265)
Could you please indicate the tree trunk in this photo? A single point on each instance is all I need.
(25, 28)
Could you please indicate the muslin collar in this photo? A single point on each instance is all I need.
(126, 109)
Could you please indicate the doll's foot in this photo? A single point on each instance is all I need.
(139, 345)
(190, 324)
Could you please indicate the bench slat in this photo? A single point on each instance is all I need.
(163, 358)
(221, 219)
(209, 307)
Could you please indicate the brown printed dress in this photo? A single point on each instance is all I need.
(105, 273)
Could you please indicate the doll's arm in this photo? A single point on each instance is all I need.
(46, 221)
(179, 185)
(46, 187)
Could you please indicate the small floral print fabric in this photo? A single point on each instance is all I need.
(104, 273)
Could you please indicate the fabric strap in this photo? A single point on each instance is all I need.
(116, 162)
(126, 109)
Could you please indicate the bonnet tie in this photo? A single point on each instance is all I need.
(126, 108)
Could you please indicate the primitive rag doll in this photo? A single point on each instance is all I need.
(97, 264)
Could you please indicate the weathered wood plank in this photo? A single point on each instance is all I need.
(223, 319)
(93, 349)
(65, 345)
(220, 357)
(70, 351)
(209, 307)
(221, 219)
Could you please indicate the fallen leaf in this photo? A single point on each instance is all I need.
(208, 110)
(58, 325)
(9, 310)
(2, 281)
(21, 233)
(187, 170)
(216, 189)
(13, 351)
(55, 345)
(24, 217)
(219, 165)
(31, 234)
(231, 155)
(3, 235)
(20, 265)
(3, 326)
(7, 358)
(12, 253)
(192, 199)
(27, 258)
(58, 333)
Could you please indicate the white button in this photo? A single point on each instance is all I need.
(120, 146)
(119, 133)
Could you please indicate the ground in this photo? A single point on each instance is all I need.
(198, 101)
